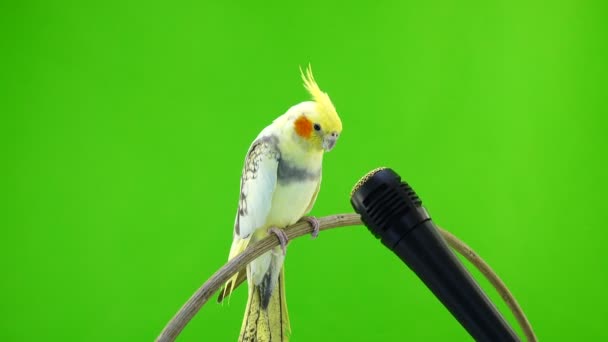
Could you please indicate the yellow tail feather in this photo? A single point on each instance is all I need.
(270, 324)
(238, 245)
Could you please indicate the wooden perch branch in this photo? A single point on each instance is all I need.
(202, 295)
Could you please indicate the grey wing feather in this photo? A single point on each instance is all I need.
(258, 182)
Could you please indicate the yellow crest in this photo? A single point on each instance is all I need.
(324, 104)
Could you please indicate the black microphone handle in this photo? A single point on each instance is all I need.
(393, 212)
(427, 254)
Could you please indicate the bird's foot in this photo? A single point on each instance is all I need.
(283, 240)
(314, 223)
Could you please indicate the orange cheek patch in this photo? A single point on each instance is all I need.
(303, 127)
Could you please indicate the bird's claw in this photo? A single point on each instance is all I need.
(283, 240)
(315, 225)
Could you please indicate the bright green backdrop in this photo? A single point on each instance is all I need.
(124, 127)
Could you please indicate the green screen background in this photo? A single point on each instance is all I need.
(125, 124)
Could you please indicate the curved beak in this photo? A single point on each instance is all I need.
(329, 141)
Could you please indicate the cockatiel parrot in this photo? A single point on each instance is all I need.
(279, 185)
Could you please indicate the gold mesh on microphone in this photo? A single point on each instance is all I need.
(365, 178)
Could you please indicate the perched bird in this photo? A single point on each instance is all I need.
(279, 185)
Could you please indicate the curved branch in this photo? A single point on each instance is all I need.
(494, 279)
(202, 295)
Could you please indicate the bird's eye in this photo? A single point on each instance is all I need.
(317, 127)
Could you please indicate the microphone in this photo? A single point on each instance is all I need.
(393, 212)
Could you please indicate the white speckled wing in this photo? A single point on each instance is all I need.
(258, 183)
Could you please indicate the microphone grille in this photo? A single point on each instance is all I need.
(365, 178)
